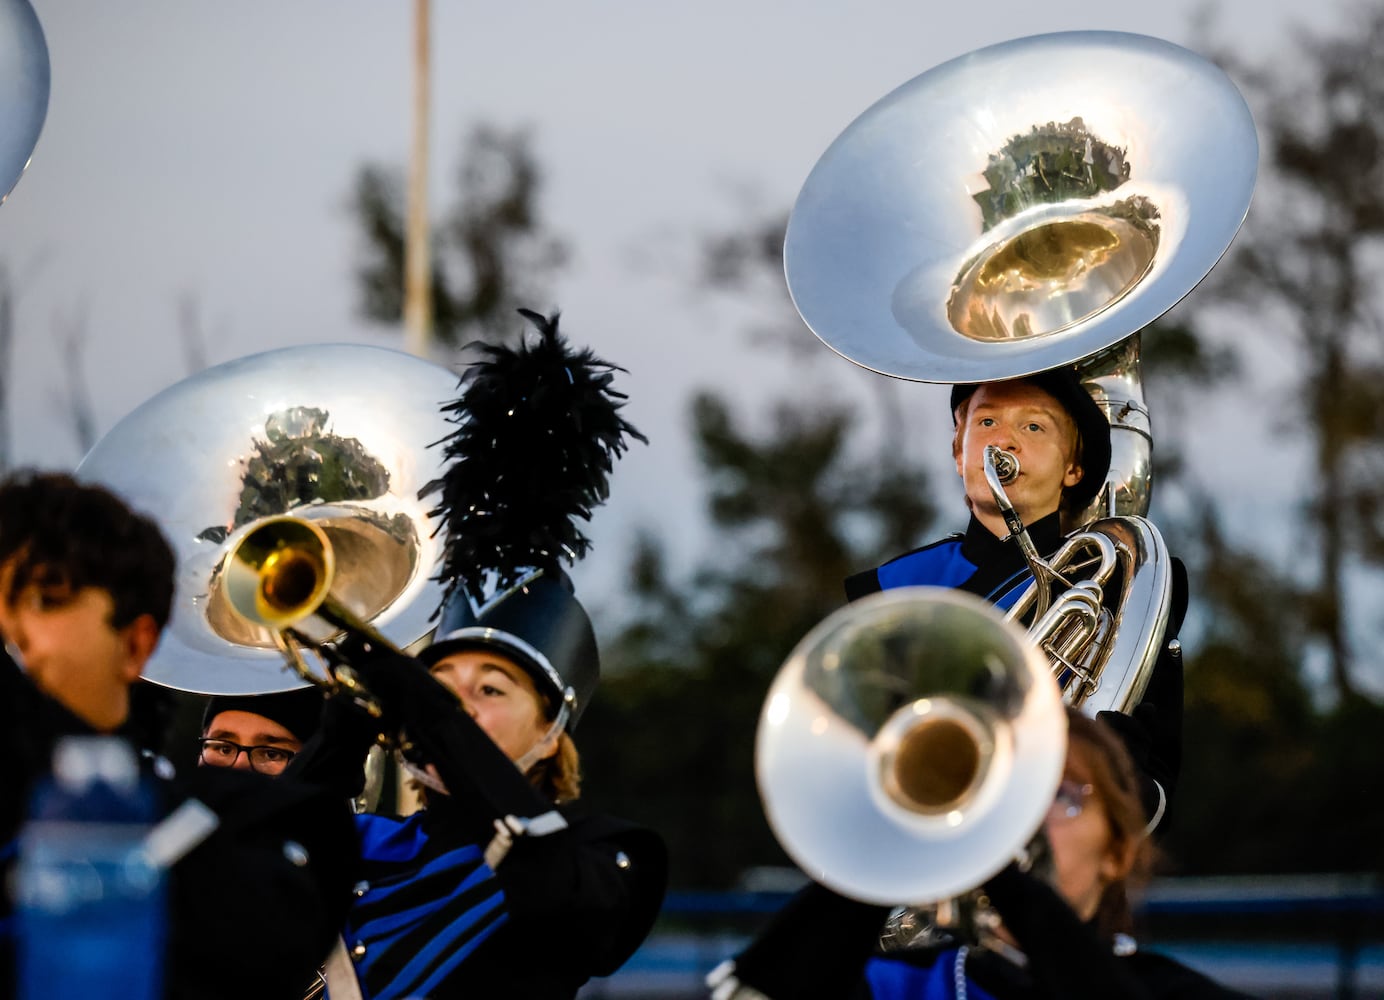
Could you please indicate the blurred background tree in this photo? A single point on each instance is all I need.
(672, 735)
(1277, 751)
(491, 252)
(1304, 272)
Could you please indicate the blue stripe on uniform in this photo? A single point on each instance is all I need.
(936, 566)
(454, 876)
(440, 945)
(943, 565)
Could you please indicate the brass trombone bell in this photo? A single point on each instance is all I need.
(284, 480)
(280, 573)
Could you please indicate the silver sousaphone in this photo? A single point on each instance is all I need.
(24, 84)
(1029, 205)
(287, 483)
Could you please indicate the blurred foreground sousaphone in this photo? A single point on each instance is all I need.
(24, 82)
(1029, 205)
(275, 478)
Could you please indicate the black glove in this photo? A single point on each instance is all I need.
(347, 721)
(400, 683)
(1066, 958)
(335, 755)
(1136, 733)
(438, 731)
(816, 946)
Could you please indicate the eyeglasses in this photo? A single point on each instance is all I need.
(1070, 799)
(266, 760)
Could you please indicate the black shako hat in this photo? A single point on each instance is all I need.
(298, 711)
(540, 625)
(1092, 428)
(538, 431)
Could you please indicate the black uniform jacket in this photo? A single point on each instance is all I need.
(995, 569)
(431, 917)
(255, 908)
(818, 947)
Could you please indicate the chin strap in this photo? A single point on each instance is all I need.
(535, 753)
(428, 779)
(1162, 807)
(511, 826)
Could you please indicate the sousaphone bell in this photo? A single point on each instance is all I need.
(1031, 204)
(24, 84)
(287, 483)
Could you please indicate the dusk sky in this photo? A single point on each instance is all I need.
(201, 150)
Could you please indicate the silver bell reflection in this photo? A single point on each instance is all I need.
(1022, 206)
(336, 434)
(25, 77)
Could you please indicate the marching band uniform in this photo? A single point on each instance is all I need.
(495, 889)
(561, 908)
(995, 569)
(976, 562)
(576, 893)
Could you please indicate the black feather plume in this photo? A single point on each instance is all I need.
(538, 432)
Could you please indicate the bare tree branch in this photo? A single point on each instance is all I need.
(73, 338)
(190, 334)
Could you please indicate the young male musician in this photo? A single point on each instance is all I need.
(1062, 442)
(258, 732)
(1061, 439)
(85, 589)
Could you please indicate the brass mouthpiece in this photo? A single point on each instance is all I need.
(1006, 464)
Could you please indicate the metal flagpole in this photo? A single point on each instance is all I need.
(418, 313)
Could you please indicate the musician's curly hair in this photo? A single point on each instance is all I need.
(62, 534)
